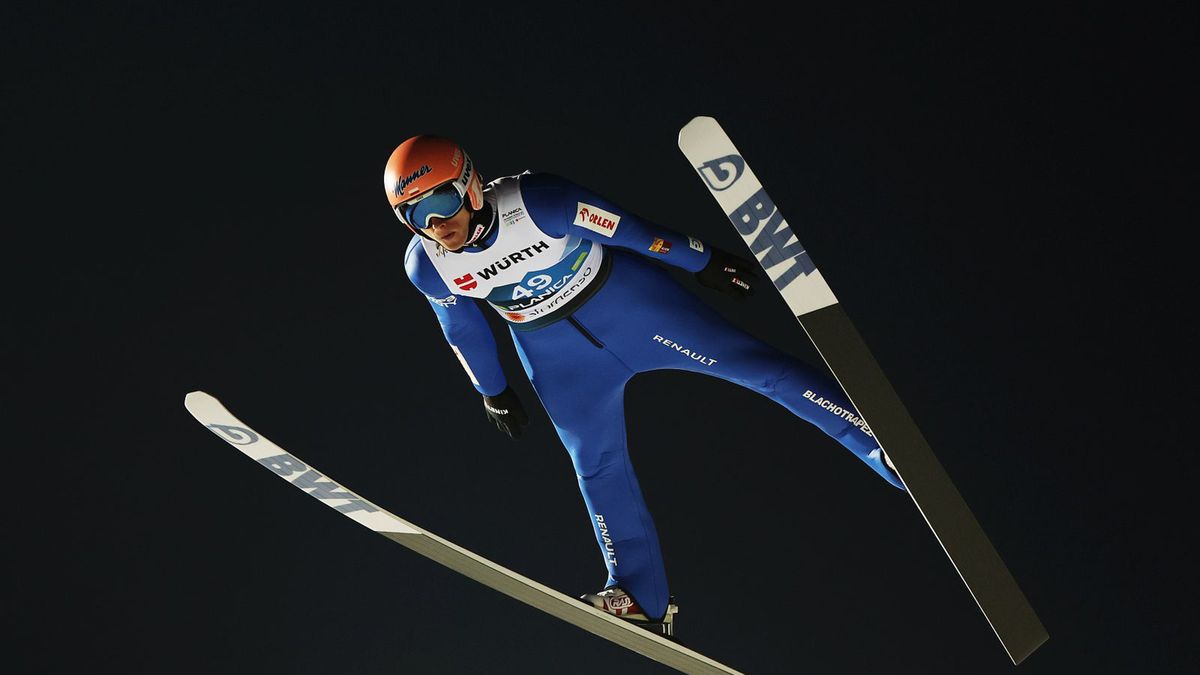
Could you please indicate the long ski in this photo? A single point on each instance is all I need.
(209, 412)
(788, 265)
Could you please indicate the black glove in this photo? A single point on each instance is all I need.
(728, 273)
(505, 411)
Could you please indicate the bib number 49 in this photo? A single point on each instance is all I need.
(536, 283)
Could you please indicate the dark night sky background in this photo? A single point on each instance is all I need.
(194, 202)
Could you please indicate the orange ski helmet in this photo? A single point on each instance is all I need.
(430, 176)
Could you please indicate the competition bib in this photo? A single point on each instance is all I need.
(524, 275)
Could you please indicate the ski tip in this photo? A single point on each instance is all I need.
(197, 400)
(697, 125)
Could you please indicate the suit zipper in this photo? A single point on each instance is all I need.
(591, 338)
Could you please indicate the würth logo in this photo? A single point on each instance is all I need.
(511, 259)
(466, 282)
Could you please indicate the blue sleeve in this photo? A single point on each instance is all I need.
(463, 324)
(561, 207)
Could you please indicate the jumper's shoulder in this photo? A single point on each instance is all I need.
(505, 182)
(529, 185)
(551, 200)
(543, 187)
(420, 269)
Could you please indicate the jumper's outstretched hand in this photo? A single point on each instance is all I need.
(506, 412)
(728, 273)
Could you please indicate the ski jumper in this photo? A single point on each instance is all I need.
(586, 315)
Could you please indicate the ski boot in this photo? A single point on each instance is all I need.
(617, 602)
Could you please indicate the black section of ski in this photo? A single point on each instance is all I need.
(985, 574)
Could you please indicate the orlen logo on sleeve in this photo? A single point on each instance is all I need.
(466, 282)
(597, 219)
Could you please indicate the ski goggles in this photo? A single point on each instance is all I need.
(443, 201)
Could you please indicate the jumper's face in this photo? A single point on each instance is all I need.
(450, 232)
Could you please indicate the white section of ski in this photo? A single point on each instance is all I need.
(733, 184)
(209, 412)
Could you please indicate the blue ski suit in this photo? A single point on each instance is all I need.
(632, 317)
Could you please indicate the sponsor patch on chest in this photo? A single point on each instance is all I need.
(596, 219)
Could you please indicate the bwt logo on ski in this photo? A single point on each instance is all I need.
(315, 483)
(774, 243)
(722, 172)
(508, 261)
(611, 553)
(597, 219)
(406, 180)
(235, 435)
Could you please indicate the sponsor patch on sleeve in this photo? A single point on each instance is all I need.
(444, 302)
(696, 244)
(660, 246)
(596, 219)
